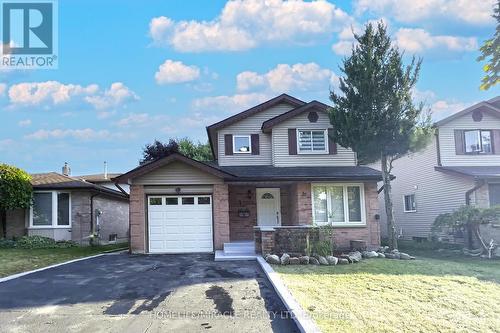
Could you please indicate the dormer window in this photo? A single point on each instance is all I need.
(242, 144)
(478, 142)
(312, 141)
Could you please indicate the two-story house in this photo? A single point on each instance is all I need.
(275, 167)
(460, 166)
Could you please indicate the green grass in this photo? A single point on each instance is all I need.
(20, 260)
(438, 292)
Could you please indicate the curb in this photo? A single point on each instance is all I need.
(18, 275)
(304, 323)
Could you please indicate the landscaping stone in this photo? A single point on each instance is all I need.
(381, 255)
(313, 261)
(392, 255)
(383, 249)
(355, 256)
(294, 261)
(346, 257)
(273, 259)
(343, 261)
(304, 260)
(285, 259)
(332, 260)
(405, 256)
(322, 260)
(369, 254)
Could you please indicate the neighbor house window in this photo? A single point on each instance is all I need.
(478, 141)
(338, 204)
(312, 141)
(241, 144)
(410, 204)
(50, 209)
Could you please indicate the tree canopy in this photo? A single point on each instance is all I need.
(198, 151)
(490, 51)
(15, 188)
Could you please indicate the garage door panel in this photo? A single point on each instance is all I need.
(180, 228)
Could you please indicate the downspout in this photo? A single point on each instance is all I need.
(480, 183)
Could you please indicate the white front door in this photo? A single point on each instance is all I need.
(268, 206)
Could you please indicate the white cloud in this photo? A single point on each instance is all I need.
(444, 108)
(176, 72)
(285, 78)
(34, 93)
(146, 120)
(86, 134)
(116, 95)
(419, 40)
(476, 12)
(57, 93)
(246, 24)
(233, 104)
(24, 123)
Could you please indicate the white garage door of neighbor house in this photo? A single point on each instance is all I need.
(180, 224)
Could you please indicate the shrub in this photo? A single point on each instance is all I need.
(36, 242)
(7, 243)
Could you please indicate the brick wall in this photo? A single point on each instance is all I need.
(241, 228)
(114, 218)
(80, 217)
(137, 219)
(300, 204)
(221, 215)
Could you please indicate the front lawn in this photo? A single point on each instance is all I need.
(17, 260)
(436, 293)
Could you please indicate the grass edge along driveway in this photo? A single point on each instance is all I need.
(14, 260)
(436, 292)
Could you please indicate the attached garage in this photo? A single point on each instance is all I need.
(180, 224)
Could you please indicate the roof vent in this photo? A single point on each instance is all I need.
(66, 170)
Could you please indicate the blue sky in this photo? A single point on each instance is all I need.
(129, 72)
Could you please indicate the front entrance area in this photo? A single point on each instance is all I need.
(180, 224)
(268, 207)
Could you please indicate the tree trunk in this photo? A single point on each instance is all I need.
(391, 228)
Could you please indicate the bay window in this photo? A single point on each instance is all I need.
(338, 204)
(50, 210)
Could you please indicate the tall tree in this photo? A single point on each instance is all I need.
(198, 151)
(15, 192)
(491, 51)
(374, 112)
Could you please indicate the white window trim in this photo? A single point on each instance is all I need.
(249, 144)
(312, 152)
(479, 152)
(404, 203)
(54, 224)
(346, 203)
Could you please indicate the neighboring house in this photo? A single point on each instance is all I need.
(275, 167)
(460, 166)
(104, 179)
(68, 208)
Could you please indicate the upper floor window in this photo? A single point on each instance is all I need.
(410, 204)
(478, 141)
(242, 144)
(312, 141)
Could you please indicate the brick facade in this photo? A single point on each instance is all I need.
(300, 204)
(221, 215)
(137, 216)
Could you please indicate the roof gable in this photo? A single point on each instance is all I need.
(148, 167)
(311, 106)
(485, 107)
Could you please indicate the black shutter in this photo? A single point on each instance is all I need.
(459, 142)
(496, 141)
(255, 144)
(332, 146)
(292, 141)
(228, 144)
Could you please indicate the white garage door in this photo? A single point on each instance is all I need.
(180, 224)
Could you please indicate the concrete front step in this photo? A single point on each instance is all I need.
(222, 256)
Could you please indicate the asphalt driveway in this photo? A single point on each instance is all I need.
(134, 293)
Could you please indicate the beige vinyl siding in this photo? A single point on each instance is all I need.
(447, 141)
(247, 126)
(435, 192)
(281, 158)
(177, 173)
